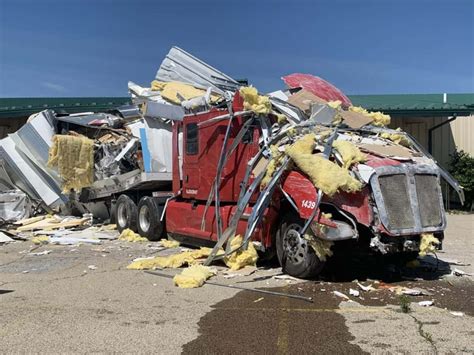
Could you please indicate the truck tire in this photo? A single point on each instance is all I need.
(126, 213)
(149, 214)
(295, 255)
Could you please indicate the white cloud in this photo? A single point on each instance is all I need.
(54, 86)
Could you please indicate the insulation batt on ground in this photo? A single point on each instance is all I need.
(169, 243)
(130, 236)
(171, 261)
(73, 156)
(241, 258)
(193, 276)
(324, 174)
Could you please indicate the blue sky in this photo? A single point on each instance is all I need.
(93, 47)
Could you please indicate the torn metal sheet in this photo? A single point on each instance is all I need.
(14, 205)
(182, 66)
(94, 119)
(155, 109)
(27, 176)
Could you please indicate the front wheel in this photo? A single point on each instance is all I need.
(295, 255)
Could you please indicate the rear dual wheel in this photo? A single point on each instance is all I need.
(149, 214)
(126, 213)
(143, 219)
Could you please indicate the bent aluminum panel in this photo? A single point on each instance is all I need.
(27, 175)
(179, 65)
(409, 171)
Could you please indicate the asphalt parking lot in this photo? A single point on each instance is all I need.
(83, 299)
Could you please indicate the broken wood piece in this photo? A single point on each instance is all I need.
(392, 151)
(355, 120)
(303, 99)
(30, 220)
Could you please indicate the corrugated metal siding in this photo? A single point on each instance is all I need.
(459, 133)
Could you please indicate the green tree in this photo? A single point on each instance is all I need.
(461, 167)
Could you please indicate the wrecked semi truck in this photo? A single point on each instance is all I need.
(237, 179)
(205, 159)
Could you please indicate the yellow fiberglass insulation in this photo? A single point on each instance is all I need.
(255, 102)
(428, 243)
(130, 236)
(324, 174)
(349, 152)
(322, 248)
(193, 276)
(169, 243)
(41, 239)
(171, 261)
(379, 119)
(241, 258)
(175, 90)
(335, 104)
(74, 158)
(272, 165)
(397, 138)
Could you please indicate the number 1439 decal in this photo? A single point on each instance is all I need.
(308, 204)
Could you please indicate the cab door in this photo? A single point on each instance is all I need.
(191, 173)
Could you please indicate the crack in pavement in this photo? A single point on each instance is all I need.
(425, 335)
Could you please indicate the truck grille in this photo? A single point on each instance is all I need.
(428, 200)
(409, 199)
(397, 201)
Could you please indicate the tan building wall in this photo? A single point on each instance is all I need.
(10, 125)
(456, 134)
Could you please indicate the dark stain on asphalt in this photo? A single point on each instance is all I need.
(248, 323)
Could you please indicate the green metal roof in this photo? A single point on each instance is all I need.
(397, 105)
(25, 106)
(417, 104)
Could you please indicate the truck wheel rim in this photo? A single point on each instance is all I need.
(121, 215)
(294, 245)
(144, 218)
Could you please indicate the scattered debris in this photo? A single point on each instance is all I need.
(366, 288)
(458, 272)
(45, 252)
(354, 293)
(340, 294)
(273, 293)
(258, 300)
(425, 303)
(92, 267)
(285, 277)
(457, 314)
(5, 238)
